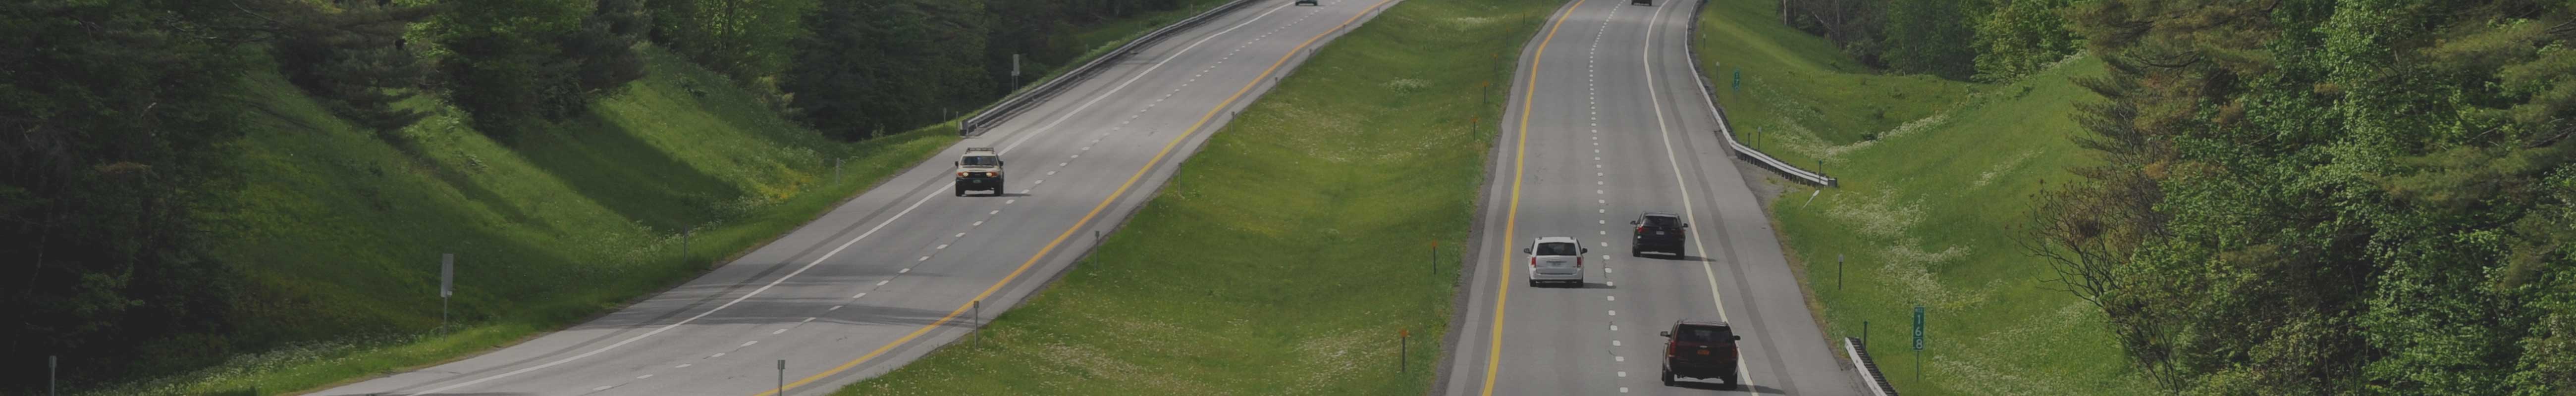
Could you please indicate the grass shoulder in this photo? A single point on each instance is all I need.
(1261, 267)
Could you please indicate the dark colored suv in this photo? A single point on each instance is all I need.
(1309, 3)
(1659, 233)
(1700, 350)
(1642, 2)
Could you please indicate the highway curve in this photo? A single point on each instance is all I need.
(893, 273)
(1606, 121)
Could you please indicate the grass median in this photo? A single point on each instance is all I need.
(1935, 174)
(1288, 255)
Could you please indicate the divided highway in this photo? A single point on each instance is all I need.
(1606, 122)
(892, 274)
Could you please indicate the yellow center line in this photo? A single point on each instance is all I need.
(1087, 217)
(1511, 216)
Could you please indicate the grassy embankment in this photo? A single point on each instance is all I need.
(1264, 266)
(1925, 209)
(340, 229)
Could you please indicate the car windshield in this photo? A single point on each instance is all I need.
(1663, 221)
(982, 160)
(1702, 334)
(1556, 249)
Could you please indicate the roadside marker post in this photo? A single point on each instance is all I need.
(1918, 343)
(979, 324)
(1403, 350)
(782, 378)
(53, 367)
(1838, 271)
(446, 285)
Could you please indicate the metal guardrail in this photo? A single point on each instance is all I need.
(1868, 369)
(1012, 105)
(1728, 132)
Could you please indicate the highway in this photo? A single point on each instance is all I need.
(1606, 122)
(897, 271)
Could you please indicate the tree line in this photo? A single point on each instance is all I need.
(1980, 40)
(2316, 197)
(115, 117)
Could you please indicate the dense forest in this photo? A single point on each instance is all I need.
(2300, 197)
(116, 116)
(2312, 197)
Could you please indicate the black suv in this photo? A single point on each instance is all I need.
(1642, 2)
(1657, 232)
(1700, 350)
(1309, 3)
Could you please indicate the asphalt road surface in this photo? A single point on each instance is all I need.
(896, 272)
(1607, 122)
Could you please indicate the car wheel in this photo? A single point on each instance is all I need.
(1668, 377)
(961, 192)
(1633, 252)
(1533, 283)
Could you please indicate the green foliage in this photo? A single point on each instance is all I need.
(875, 65)
(353, 59)
(2022, 37)
(2321, 197)
(113, 128)
(745, 39)
(1931, 37)
(513, 63)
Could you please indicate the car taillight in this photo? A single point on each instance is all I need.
(1641, 229)
(961, 174)
(1578, 262)
(1669, 347)
(992, 174)
(1533, 262)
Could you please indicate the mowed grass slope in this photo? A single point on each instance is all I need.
(1929, 219)
(1925, 213)
(1801, 99)
(340, 230)
(1288, 254)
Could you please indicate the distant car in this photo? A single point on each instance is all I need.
(1309, 3)
(1642, 2)
(1700, 350)
(979, 169)
(1555, 260)
(1658, 232)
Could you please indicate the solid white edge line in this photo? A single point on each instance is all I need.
(1744, 372)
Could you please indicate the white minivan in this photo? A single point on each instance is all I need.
(1556, 260)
